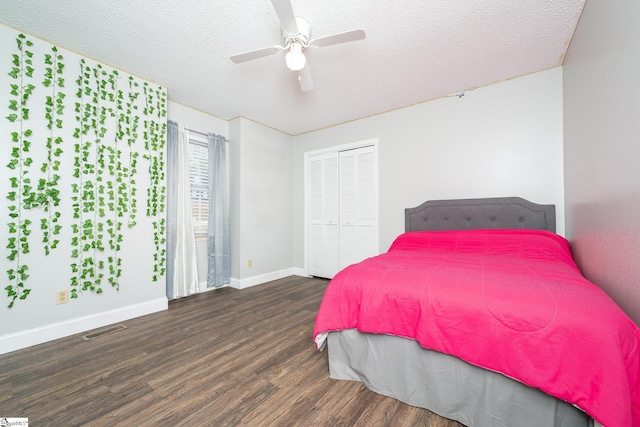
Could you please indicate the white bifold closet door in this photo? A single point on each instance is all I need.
(324, 240)
(357, 205)
(342, 210)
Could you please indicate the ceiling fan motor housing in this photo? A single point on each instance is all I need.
(302, 37)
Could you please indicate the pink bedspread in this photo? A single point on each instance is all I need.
(512, 301)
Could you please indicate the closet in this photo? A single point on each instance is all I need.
(342, 209)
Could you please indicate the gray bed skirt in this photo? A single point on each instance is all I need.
(402, 369)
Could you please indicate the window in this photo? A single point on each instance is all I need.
(199, 182)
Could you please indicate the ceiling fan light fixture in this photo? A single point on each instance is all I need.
(296, 38)
(295, 59)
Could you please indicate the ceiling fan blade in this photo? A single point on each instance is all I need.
(304, 77)
(347, 36)
(255, 54)
(284, 10)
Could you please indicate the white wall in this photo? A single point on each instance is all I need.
(196, 120)
(602, 149)
(204, 123)
(501, 140)
(261, 203)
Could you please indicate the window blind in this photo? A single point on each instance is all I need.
(199, 183)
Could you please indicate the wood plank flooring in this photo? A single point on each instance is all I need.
(226, 357)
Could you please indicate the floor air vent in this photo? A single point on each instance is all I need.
(101, 332)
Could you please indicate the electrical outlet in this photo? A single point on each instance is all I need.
(62, 296)
(250, 263)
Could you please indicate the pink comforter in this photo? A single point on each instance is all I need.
(512, 301)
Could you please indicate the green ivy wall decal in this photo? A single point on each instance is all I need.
(21, 194)
(132, 136)
(79, 182)
(82, 190)
(113, 224)
(49, 185)
(100, 193)
(155, 136)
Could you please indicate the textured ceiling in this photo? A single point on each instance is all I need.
(414, 51)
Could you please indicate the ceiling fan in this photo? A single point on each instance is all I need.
(296, 33)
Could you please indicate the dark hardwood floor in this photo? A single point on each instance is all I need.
(222, 358)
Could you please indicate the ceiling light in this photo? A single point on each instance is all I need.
(295, 59)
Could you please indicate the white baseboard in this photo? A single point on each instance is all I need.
(297, 271)
(257, 280)
(54, 331)
(263, 278)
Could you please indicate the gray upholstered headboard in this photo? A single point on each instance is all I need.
(461, 214)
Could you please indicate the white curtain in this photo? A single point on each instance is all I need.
(218, 249)
(182, 269)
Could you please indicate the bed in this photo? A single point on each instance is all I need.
(432, 322)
